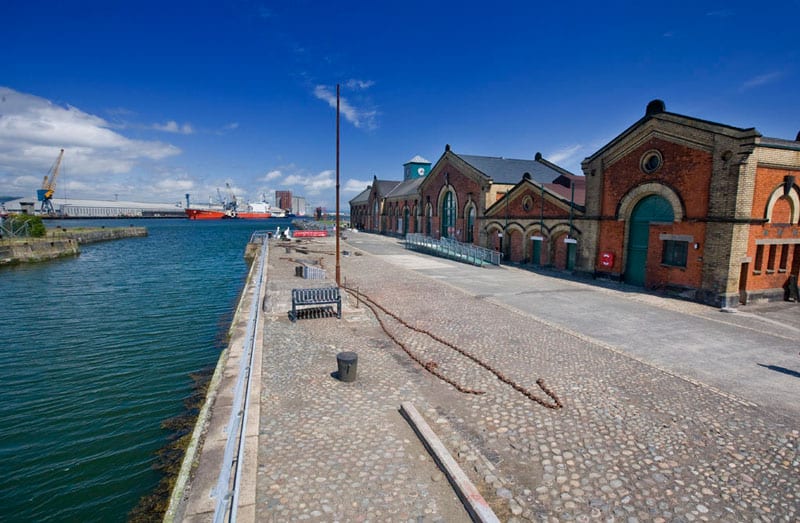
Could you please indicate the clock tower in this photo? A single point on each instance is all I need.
(417, 167)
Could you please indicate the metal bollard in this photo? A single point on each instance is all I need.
(348, 365)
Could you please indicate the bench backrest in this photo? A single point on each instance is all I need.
(319, 294)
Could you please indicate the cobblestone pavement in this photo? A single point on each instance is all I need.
(632, 442)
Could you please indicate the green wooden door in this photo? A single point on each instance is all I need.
(651, 209)
(536, 256)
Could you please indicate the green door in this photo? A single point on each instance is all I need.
(651, 209)
(536, 256)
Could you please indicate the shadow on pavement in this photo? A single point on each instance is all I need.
(780, 369)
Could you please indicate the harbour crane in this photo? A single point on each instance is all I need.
(45, 194)
(231, 196)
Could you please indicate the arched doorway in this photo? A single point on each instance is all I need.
(652, 208)
(405, 221)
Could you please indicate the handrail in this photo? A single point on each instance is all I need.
(227, 493)
(449, 248)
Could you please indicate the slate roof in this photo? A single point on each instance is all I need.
(362, 197)
(406, 188)
(384, 187)
(779, 143)
(509, 171)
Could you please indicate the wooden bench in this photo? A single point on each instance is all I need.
(315, 297)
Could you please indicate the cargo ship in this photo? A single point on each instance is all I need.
(254, 211)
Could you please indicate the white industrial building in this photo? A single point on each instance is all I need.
(75, 208)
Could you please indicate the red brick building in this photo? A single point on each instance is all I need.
(707, 210)
(539, 223)
(711, 210)
(283, 199)
(464, 198)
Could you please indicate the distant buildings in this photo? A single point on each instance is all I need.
(299, 206)
(674, 202)
(283, 199)
(74, 208)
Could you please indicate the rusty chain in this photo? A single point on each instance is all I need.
(432, 366)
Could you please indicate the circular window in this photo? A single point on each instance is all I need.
(527, 203)
(651, 161)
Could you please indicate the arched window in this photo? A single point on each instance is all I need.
(470, 237)
(428, 215)
(448, 215)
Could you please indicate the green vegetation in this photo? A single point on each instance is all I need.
(24, 225)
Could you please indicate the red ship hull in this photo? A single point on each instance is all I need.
(211, 214)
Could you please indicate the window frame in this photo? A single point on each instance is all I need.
(674, 253)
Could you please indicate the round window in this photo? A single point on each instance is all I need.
(651, 161)
(527, 203)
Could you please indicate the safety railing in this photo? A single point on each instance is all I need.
(452, 249)
(226, 492)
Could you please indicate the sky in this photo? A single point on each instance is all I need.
(154, 100)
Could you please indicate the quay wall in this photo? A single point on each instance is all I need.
(194, 495)
(60, 243)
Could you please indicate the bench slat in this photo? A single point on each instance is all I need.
(316, 296)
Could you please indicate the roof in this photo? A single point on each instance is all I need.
(109, 204)
(384, 187)
(509, 171)
(566, 192)
(362, 197)
(406, 188)
(779, 143)
(417, 159)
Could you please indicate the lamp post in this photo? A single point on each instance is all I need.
(338, 267)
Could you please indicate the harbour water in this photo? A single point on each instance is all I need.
(96, 351)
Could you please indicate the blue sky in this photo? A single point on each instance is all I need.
(155, 100)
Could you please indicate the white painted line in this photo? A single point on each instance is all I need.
(477, 507)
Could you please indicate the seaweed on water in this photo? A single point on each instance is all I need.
(153, 506)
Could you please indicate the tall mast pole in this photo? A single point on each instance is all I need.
(338, 267)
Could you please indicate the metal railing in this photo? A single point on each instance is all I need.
(314, 273)
(10, 228)
(227, 489)
(452, 249)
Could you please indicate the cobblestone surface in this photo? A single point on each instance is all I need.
(632, 443)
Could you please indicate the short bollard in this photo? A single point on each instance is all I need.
(348, 364)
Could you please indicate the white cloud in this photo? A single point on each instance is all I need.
(758, 81)
(312, 184)
(355, 186)
(358, 117)
(359, 85)
(565, 154)
(227, 128)
(272, 175)
(173, 127)
(33, 130)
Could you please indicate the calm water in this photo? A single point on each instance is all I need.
(95, 352)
